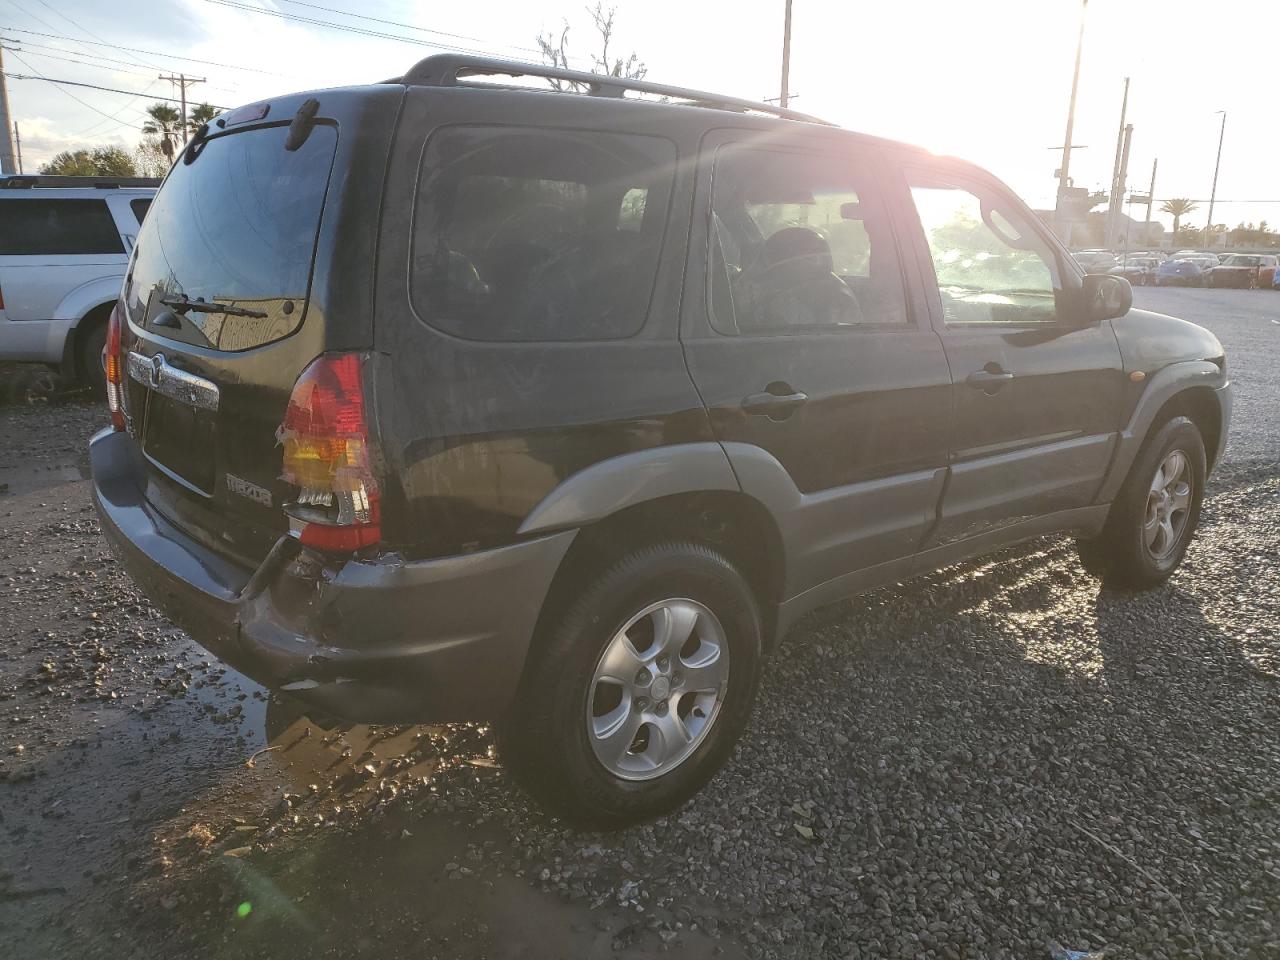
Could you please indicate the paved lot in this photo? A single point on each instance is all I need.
(969, 765)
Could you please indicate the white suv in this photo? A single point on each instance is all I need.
(64, 248)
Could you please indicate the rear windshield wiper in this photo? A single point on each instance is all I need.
(183, 304)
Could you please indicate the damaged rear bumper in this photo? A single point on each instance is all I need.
(382, 640)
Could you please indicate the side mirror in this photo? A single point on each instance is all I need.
(1104, 297)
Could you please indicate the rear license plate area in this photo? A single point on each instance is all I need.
(179, 439)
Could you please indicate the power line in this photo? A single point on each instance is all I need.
(23, 10)
(83, 63)
(346, 28)
(153, 53)
(407, 26)
(58, 84)
(30, 47)
(92, 86)
(128, 104)
(86, 30)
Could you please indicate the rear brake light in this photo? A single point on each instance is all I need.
(327, 457)
(113, 364)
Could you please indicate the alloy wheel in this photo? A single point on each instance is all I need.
(1168, 505)
(657, 689)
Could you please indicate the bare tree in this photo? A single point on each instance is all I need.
(555, 50)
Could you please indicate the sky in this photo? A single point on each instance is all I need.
(987, 80)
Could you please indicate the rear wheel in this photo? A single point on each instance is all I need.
(640, 690)
(92, 373)
(1155, 515)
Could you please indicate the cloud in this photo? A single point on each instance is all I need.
(43, 139)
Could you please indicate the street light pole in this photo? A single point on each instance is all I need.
(1064, 171)
(1213, 194)
(785, 97)
(1116, 198)
(1151, 202)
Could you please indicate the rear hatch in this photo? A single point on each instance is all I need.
(236, 285)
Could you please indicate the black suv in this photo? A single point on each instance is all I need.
(447, 398)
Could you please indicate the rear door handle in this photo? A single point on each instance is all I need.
(775, 406)
(989, 379)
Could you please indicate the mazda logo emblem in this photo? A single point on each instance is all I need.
(157, 364)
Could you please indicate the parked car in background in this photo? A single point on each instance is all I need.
(1180, 272)
(1139, 271)
(558, 409)
(64, 245)
(1249, 270)
(1096, 261)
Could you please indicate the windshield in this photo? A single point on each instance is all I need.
(237, 226)
(1236, 260)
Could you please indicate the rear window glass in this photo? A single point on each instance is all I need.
(57, 228)
(539, 235)
(235, 227)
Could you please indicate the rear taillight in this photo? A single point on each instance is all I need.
(327, 456)
(113, 364)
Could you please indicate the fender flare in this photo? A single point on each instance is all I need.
(1162, 387)
(630, 479)
(89, 296)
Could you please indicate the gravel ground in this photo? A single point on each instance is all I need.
(973, 764)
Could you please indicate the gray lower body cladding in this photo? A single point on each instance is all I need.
(382, 640)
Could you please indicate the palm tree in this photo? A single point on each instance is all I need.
(164, 123)
(200, 115)
(1178, 209)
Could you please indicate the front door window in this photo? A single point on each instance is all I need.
(991, 266)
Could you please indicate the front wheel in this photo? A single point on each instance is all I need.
(1155, 514)
(636, 695)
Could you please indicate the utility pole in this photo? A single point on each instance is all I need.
(1116, 200)
(1151, 202)
(17, 142)
(6, 123)
(1064, 171)
(785, 97)
(1213, 194)
(183, 81)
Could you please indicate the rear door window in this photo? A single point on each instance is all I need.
(539, 235)
(139, 208)
(800, 243)
(31, 228)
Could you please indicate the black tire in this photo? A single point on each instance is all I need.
(1120, 554)
(1094, 556)
(91, 372)
(545, 741)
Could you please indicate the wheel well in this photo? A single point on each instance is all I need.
(98, 315)
(735, 524)
(1201, 406)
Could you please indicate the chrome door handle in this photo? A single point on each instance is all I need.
(988, 381)
(775, 406)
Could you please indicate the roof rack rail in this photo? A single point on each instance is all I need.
(445, 70)
(26, 181)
